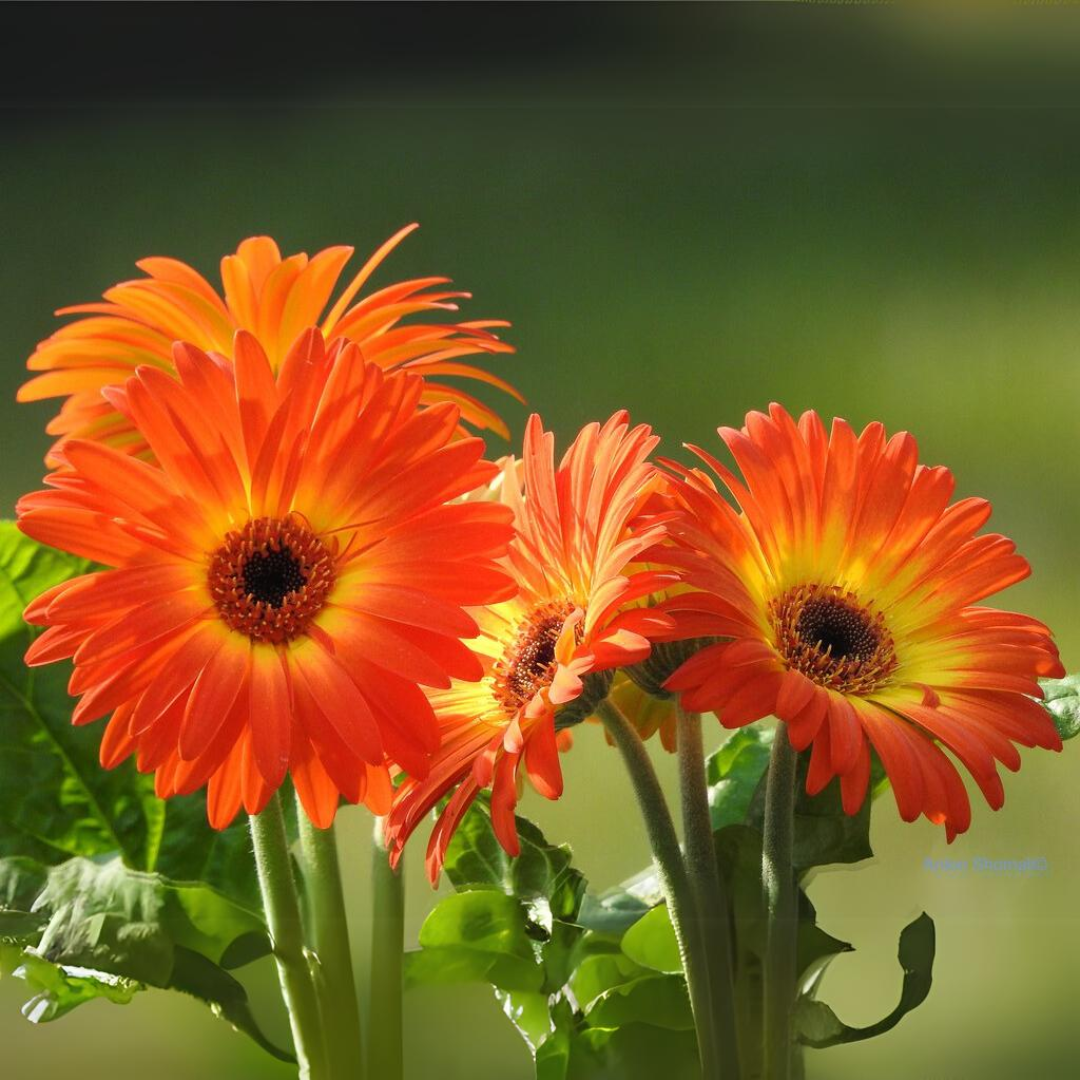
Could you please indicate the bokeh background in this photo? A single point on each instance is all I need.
(688, 211)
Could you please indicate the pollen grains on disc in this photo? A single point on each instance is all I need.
(270, 578)
(528, 663)
(833, 638)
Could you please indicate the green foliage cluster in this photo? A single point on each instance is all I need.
(594, 983)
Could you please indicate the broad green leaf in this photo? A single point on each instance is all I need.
(602, 969)
(651, 942)
(55, 799)
(1062, 700)
(824, 834)
(577, 1051)
(734, 772)
(194, 974)
(530, 1013)
(552, 1057)
(658, 1000)
(56, 990)
(110, 931)
(191, 851)
(818, 1026)
(630, 1052)
(619, 908)
(20, 927)
(476, 935)
(542, 872)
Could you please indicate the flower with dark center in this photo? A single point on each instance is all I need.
(282, 582)
(842, 593)
(548, 655)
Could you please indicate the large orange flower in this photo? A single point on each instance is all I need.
(575, 557)
(844, 590)
(272, 298)
(285, 574)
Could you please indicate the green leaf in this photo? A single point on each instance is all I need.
(651, 942)
(530, 1013)
(733, 773)
(602, 967)
(617, 909)
(541, 873)
(818, 1026)
(194, 974)
(553, 1055)
(630, 1052)
(1062, 700)
(55, 799)
(475, 936)
(576, 1050)
(57, 990)
(192, 851)
(659, 1000)
(824, 833)
(108, 931)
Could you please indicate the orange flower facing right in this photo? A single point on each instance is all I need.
(275, 300)
(579, 533)
(844, 591)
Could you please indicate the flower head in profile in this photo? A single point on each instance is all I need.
(275, 300)
(579, 533)
(284, 575)
(847, 589)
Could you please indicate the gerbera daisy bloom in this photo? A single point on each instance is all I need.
(285, 575)
(844, 587)
(272, 298)
(579, 533)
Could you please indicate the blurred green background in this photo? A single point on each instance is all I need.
(688, 211)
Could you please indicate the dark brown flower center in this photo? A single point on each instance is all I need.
(833, 638)
(528, 664)
(270, 578)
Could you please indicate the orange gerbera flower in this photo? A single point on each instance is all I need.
(274, 299)
(844, 589)
(286, 573)
(579, 533)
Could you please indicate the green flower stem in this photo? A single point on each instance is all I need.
(778, 879)
(709, 893)
(672, 873)
(278, 887)
(387, 950)
(329, 937)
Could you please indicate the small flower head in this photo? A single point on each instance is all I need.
(547, 655)
(845, 588)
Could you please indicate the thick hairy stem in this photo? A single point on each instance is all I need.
(710, 896)
(335, 984)
(668, 858)
(387, 949)
(778, 880)
(278, 886)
